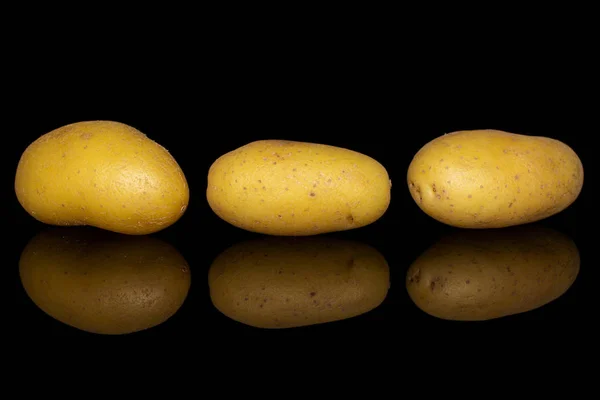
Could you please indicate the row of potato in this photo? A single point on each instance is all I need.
(110, 175)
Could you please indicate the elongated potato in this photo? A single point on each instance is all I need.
(481, 275)
(289, 188)
(292, 282)
(494, 179)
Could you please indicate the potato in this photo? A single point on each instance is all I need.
(494, 179)
(102, 282)
(480, 275)
(289, 188)
(278, 282)
(103, 174)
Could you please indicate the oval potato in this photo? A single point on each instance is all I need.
(494, 179)
(292, 282)
(482, 275)
(104, 174)
(289, 188)
(102, 282)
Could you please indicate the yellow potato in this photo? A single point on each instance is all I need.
(104, 174)
(292, 282)
(481, 275)
(494, 179)
(291, 188)
(102, 282)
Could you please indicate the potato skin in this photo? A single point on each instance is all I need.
(289, 188)
(102, 282)
(494, 179)
(481, 275)
(279, 282)
(104, 174)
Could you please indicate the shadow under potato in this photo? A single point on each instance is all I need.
(481, 275)
(277, 282)
(103, 282)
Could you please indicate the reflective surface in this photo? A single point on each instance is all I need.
(371, 92)
(474, 276)
(85, 281)
(286, 283)
(102, 282)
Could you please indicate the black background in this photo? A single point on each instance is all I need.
(382, 90)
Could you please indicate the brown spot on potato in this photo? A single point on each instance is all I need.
(415, 277)
(312, 194)
(313, 294)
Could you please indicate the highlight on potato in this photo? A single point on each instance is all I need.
(282, 282)
(102, 282)
(290, 188)
(494, 179)
(481, 275)
(104, 174)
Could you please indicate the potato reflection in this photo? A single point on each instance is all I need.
(103, 282)
(277, 282)
(482, 275)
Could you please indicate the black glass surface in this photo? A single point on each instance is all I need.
(55, 296)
